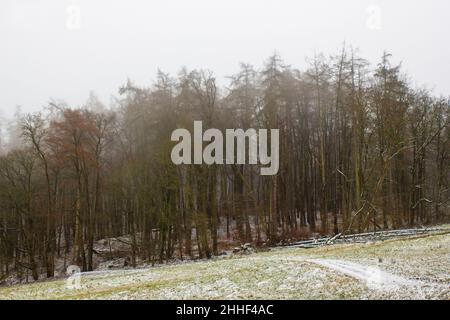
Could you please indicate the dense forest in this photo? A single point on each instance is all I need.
(360, 150)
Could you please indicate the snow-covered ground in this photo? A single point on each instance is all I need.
(408, 268)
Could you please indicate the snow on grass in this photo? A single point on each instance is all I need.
(409, 268)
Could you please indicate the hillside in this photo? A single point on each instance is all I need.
(415, 267)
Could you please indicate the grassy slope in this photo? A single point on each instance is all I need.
(278, 274)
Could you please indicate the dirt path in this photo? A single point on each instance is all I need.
(372, 275)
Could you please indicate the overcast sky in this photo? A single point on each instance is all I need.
(63, 49)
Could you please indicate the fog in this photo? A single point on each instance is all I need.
(65, 49)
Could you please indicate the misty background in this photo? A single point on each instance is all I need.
(66, 49)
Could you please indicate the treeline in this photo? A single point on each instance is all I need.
(359, 150)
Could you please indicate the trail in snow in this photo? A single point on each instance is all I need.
(374, 276)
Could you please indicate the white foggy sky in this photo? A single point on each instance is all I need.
(41, 58)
